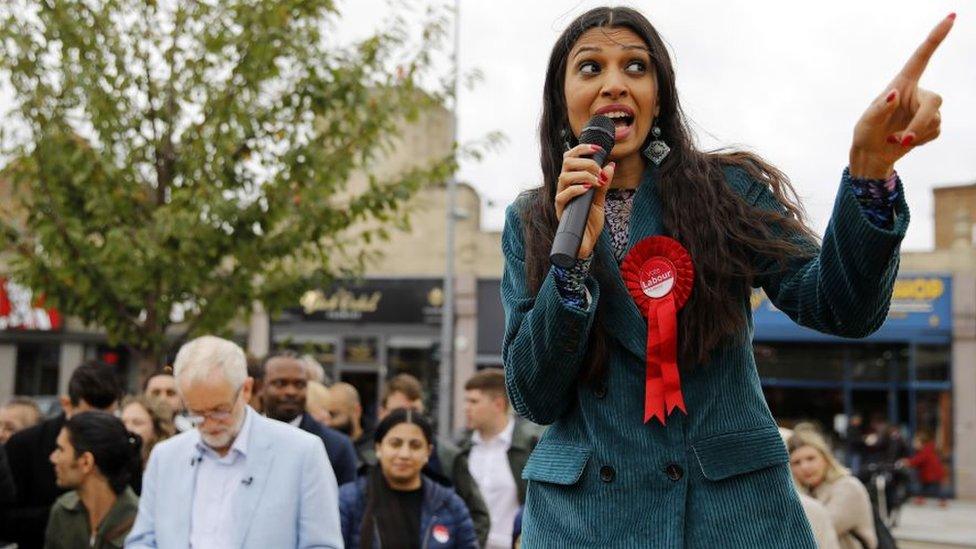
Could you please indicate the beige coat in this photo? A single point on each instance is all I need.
(820, 523)
(849, 507)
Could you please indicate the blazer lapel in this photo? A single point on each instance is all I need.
(184, 491)
(624, 321)
(256, 472)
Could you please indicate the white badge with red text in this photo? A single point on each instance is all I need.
(441, 534)
(657, 277)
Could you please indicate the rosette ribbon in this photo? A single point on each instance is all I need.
(659, 275)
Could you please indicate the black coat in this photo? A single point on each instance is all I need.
(8, 492)
(339, 448)
(28, 454)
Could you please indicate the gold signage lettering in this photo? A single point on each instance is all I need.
(342, 301)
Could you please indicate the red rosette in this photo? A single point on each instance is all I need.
(659, 275)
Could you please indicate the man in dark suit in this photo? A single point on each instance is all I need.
(93, 386)
(283, 395)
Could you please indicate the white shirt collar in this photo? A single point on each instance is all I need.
(296, 422)
(504, 437)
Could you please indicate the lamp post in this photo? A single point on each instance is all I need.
(445, 397)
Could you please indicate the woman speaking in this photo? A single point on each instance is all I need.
(639, 354)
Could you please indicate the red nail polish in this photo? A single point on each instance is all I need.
(892, 139)
(587, 185)
(952, 16)
(603, 177)
(907, 140)
(891, 97)
(596, 148)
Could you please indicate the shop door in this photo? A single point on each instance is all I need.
(368, 384)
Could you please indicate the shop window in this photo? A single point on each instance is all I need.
(932, 363)
(37, 369)
(414, 361)
(874, 362)
(904, 359)
(118, 358)
(793, 405)
(933, 415)
(360, 350)
(800, 361)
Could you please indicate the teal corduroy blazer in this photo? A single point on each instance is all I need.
(718, 477)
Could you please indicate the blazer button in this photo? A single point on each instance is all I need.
(600, 391)
(674, 472)
(607, 473)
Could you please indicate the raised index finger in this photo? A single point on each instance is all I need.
(915, 66)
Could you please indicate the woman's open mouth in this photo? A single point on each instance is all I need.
(623, 120)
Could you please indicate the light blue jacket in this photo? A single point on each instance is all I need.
(292, 501)
(717, 477)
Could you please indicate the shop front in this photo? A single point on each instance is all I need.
(899, 377)
(364, 332)
(39, 349)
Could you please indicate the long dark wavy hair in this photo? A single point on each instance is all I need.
(720, 230)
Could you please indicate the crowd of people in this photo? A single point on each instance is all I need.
(217, 452)
(220, 451)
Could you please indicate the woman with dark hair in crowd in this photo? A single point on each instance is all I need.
(660, 435)
(395, 505)
(95, 458)
(151, 419)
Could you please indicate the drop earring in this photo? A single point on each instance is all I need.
(569, 140)
(657, 150)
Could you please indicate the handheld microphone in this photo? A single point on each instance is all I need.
(569, 236)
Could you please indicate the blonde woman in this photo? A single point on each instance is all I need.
(151, 419)
(820, 475)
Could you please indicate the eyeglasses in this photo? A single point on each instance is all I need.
(196, 419)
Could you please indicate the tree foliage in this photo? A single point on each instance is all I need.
(174, 162)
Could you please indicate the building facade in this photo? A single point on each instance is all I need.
(364, 331)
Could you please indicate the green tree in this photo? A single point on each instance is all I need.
(174, 162)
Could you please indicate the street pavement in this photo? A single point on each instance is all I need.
(932, 527)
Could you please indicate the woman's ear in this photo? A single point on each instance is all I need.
(376, 448)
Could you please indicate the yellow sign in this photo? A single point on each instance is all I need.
(435, 298)
(923, 289)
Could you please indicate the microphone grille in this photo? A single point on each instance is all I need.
(599, 130)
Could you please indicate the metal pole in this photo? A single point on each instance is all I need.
(445, 398)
